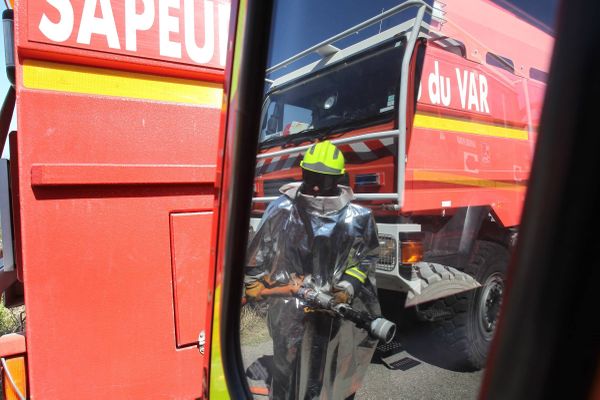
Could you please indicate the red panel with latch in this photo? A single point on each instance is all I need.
(190, 246)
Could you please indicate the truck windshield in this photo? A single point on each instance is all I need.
(359, 91)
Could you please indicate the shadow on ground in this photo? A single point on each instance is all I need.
(415, 337)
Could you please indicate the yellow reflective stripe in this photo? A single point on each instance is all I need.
(352, 272)
(464, 180)
(470, 127)
(98, 81)
(218, 385)
(358, 271)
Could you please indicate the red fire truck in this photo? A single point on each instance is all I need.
(114, 191)
(437, 120)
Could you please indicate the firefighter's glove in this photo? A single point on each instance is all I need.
(342, 292)
(255, 282)
(253, 290)
(296, 282)
(351, 283)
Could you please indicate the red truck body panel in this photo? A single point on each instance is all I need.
(471, 142)
(115, 209)
(156, 36)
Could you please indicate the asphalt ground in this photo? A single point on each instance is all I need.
(421, 372)
(421, 381)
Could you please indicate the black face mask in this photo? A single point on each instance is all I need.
(315, 184)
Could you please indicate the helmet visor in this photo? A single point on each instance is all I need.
(316, 184)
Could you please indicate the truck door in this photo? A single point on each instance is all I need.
(113, 170)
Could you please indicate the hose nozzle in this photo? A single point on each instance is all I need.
(382, 329)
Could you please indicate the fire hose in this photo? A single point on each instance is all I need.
(377, 327)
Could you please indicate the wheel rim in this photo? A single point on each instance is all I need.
(489, 304)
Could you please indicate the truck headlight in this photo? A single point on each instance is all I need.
(387, 252)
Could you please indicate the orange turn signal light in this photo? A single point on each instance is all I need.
(411, 251)
(14, 378)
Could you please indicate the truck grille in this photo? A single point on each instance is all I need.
(387, 253)
(271, 186)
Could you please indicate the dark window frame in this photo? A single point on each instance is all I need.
(538, 75)
(501, 62)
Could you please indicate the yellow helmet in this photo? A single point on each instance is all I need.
(324, 158)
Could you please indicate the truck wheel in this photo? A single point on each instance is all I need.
(465, 335)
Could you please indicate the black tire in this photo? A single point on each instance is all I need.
(465, 335)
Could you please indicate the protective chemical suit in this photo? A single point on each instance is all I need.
(330, 241)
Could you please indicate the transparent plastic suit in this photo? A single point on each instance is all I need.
(316, 355)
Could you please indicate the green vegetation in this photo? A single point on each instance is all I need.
(11, 319)
(253, 325)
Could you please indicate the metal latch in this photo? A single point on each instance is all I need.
(202, 341)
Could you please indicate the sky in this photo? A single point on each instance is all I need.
(297, 26)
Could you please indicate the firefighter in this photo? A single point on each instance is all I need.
(313, 233)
